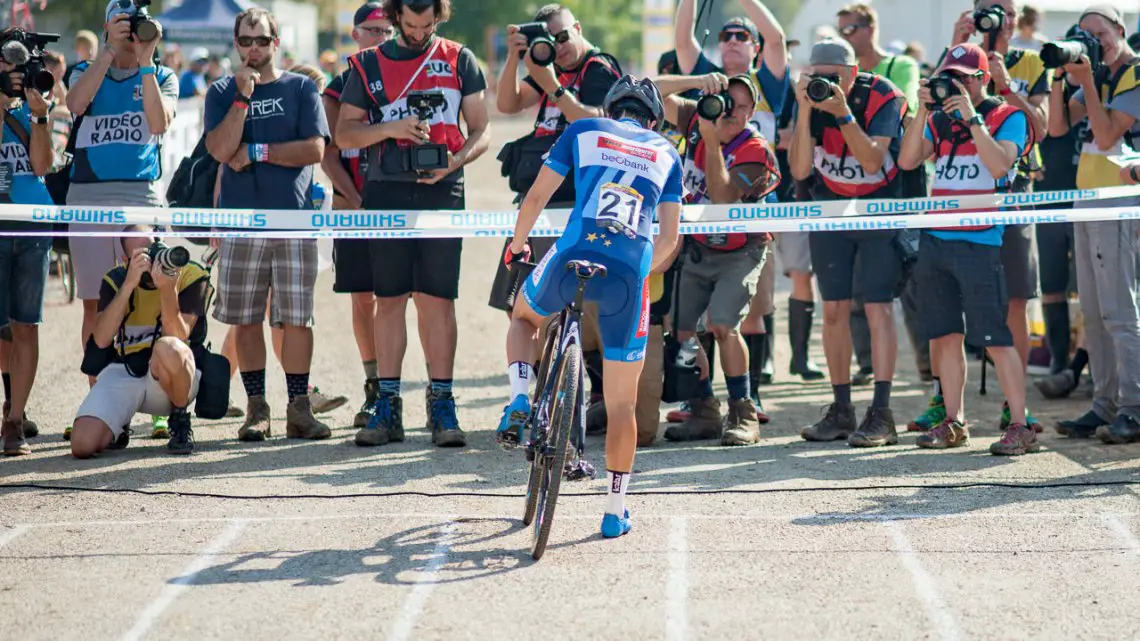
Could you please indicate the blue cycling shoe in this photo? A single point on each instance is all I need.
(613, 527)
(511, 426)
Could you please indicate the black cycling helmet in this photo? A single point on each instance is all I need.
(635, 95)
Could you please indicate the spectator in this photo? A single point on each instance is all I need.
(151, 323)
(328, 62)
(216, 68)
(192, 83)
(373, 115)
(120, 90)
(23, 260)
(268, 129)
(86, 48)
(287, 60)
(172, 58)
(1028, 24)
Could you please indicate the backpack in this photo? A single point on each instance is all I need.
(192, 185)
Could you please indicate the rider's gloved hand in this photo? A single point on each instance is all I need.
(510, 257)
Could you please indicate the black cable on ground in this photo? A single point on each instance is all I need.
(501, 495)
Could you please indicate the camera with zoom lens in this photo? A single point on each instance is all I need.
(428, 156)
(1068, 51)
(714, 105)
(143, 26)
(821, 86)
(25, 51)
(942, 88)
(990, 19)
(169, 259)
(541, 43)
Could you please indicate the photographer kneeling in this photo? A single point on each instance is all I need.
(152, 320)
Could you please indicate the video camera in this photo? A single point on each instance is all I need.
(143, 25)
(989, 20)
(1077, 43)
(428, 156)
(25, 50)
(821, 86)
(541, 43)
(714, 105)
(941, 87)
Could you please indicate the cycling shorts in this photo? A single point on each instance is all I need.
(622, 295)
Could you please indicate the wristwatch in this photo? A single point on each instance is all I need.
(41, 120)
(976, 119)
(558, 93)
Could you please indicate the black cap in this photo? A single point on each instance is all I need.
(742, 23)
(368, 11)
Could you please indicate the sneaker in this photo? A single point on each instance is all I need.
(1124, 429)
(67, 432)
(444, 423)
(160, 427)
(679, 415)
(741, 427)
(934, 415)
(381, 418)
(836, 425)
(12, 434)
(181, 435)
(371, 390)
(31, 429)
(704, 422)
(233, 411)
(876, 430)
(1029, 419)
(949, 433)
(1083, 427)
(513, 422)
(323, 404)
(1057, 386)
(124, 439)
(1018, 439)
(761, 415)
(865, 376)
(614, 526)
(257, 426)
(300, 421)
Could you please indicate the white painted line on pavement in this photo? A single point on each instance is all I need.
(205, 557)
(402, 629)
(924, 584)
(1122, 531)
(12, 534)
(677, 586)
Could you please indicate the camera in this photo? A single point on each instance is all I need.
(428, 156)
(941, 87)
(143, 25)
(821, 86)
(714, 105)
(541, 43)
(169, 259)
(990, 19)
(1078, 43)
(25, 50)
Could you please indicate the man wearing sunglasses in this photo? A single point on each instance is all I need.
(345, 168)
(375, 114)
(268, 129)
(976, 141)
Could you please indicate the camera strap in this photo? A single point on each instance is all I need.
(412, 80)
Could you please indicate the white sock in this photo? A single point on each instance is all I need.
(615, 500)
(520, 374)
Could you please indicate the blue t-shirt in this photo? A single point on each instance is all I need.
(772, 93)
(27, 187)
(190, 84)
(285, 110)
(1015, 129)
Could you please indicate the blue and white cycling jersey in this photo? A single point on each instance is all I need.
(622, 171)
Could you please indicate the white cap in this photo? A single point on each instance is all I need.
(199, 53)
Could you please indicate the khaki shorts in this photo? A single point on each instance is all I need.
(117, 397)
(793, 252)
(721, 283)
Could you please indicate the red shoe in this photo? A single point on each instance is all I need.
(679, 415)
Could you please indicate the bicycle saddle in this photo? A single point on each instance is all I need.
(585, 269)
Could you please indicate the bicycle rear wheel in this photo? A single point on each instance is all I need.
(562, 418)
(549, 351)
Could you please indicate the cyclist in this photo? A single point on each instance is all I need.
(624, 169)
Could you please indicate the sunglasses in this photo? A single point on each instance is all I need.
(378, 31)
(850, 30)
(249, 41)
(739, 36)
(562, 37)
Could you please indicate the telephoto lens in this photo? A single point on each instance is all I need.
(146, 29)
(990, 19)
(714, 105)
(169, 259)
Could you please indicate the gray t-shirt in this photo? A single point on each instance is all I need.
(128, 193)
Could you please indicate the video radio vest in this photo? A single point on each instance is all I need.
(837, 167)
(114, 142)
(551, 121)
(958, 169)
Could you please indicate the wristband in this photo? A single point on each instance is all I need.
(1005, 92)
(241, 101)
(845, 120)
(146, 71)
(41, 120)
(259, 153)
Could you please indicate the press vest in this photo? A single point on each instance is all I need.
(1095, 170)
(27, 187)
(1025, 68)
(114, 142)
(142, 325)
(837, 167)
(354, 161)
(551, 121)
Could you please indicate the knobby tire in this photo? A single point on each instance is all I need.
(562, 420)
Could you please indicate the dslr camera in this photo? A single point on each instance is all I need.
(821, 86)
(989, 20)
(143, 26)
(941, 87)
(25, 50)
(1077, 43)
(428, 156)
(714, 105)
(541, 43)
(170, 259)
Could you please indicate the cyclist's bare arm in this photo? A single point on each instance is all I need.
(537, 197)
(665, 246)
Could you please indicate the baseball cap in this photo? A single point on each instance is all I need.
(833, 52)
(116, 7)
(742, 23)
(966, 58)
(369, 11)
(1106, 11)
(745, 80)
(199, 54)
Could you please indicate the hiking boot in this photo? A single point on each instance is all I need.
(935, 413)
(371, 390)
(865, 376)
(1124, 429)
(1029, 420)
(160, 427)
(444, 423)
(181, 435)
(704, 422)
(1083, 427)
(876, 430)
(837, 424)
(949, 433)
(596, 417)
(323, 404)
(378, 431)
(12, 434)
(1018, 439)
(233, 411)
(679, 415)
(741, 426)
(257, 426)
(513, 422)
(300, 421)
(31, 429)
(1057, 386)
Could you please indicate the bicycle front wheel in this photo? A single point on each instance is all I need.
(562, 419)
(539, 416)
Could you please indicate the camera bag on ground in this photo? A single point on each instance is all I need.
(214, 387)
(192, 185)
(682, 382)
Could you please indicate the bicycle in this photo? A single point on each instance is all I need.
(556, 407)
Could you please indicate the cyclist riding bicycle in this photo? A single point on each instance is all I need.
(624, 170)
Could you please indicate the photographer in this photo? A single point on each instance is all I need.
(570, 88)
(976, 141)
(152, 321)
(403, 101)
(726, 161)
(123, 104)
(1105, 250)
(23, 260)
(846, 136)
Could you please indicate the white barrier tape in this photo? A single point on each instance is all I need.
(858, 223)
(458, 223)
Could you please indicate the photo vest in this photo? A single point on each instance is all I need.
(839, 171)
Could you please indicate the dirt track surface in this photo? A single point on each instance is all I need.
(828, 545)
